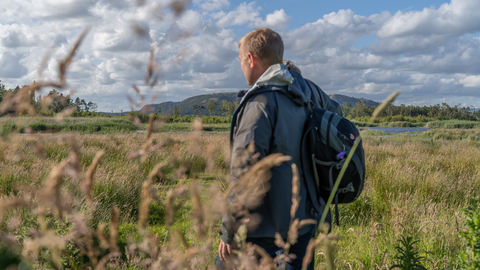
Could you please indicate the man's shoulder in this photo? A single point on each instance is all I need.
(262, 93)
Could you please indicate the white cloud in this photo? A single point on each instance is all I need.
(21, 35)
(430, 55)
(471, 81)
(122, 39)
(211, 5)
(455, 18)
(334, 29)
(276, 20)
(380, 76)
(243, 14)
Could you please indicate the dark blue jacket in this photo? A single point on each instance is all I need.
(273, 114)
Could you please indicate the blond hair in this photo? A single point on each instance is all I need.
(265, 44)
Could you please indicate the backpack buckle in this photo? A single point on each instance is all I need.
(348, 188)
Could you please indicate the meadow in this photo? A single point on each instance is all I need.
(94, 125)
(126, 124)
(154, 200)
(95, 194)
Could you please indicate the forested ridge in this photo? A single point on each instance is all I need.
(224, 104)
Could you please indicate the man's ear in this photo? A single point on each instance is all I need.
(252, 60)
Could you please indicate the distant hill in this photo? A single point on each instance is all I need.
(342, 99)
(186, 106)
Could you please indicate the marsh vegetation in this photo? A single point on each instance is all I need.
(415, 187)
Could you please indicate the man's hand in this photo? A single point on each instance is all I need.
(224, 250)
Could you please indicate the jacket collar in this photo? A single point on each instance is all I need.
(275, 75)
(278, 75)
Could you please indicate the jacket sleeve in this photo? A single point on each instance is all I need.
(255, 122)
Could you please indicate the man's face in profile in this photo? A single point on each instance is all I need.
(245, 64)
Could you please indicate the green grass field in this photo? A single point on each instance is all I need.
(415, 187)
(118, 125)
(92, 125)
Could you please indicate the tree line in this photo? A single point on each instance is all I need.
(52, 103)
(225, 107)
(360, 112)
(55, 102)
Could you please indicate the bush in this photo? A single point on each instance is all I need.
(470, 258)
(38, 126)
(407, 256)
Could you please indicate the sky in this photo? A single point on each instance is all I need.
(429, 50)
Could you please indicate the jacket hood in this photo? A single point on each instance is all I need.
(278, 75)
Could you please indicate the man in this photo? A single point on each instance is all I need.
(272, 114)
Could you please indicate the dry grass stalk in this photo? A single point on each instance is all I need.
(248, 158)
(148, 134)
(133, 104)
(146, 199)
(8, 204)
(211, 157)
(137, 90)
(102, 236)
(19, 103)
(295, 192)
(309, 255)
(52, 195)
(153, 83)
(293, 230)
(179, 6)
(141, 152)
(74, 168)
(196, 138)
(266, 262)
(88, 182)
(384, 105)
(103, 261)
(139, 30)
(182, 238)
(154, 96)
(197, 210)
(114, 222)
(171, 207)
(44, 62)
(152, 65)
(48, 240)
(38, 149)
(254, 184)
(63, 65)
(64, 113)
(147, 146)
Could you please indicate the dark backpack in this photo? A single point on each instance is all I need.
(328, 139)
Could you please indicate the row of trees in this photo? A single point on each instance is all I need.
(225, 107)
(436, 112)
(55, 102)
(52, 103)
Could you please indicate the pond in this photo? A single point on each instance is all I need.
(398, 130)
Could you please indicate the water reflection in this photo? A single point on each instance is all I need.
(397, 129)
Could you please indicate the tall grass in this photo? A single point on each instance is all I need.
(154, 201)
(414, 187)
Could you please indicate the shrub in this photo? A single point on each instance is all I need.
(407, 256)
(470, 258)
